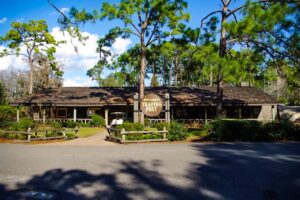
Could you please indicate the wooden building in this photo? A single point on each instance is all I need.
(192, 105)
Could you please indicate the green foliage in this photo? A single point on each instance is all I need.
(2, 94)
(98, 120)
(177, 131)
(129, 126)
(56, 124)
(70, 136)
(7, 112)
(39, 43)
(69, 124)
(22, 125)
(82, 124)
(249, 130)
(228, 130)
(160, 126)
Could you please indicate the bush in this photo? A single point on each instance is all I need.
(70, 136)
(55, 125)
(7, 112)
(282, 130)
(177, 131)
(160, 126)
(81, 124)
(22, 125)
(98, 120)
(250, 130)
(68, 124)
(230, 130)
(129, 126)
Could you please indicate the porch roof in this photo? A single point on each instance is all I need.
(101, 96)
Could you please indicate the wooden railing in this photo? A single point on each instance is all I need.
(33, 135)
(83, 120)
(120, 135)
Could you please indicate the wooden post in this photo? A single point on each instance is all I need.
(123, 135)
(240, 113)
(205, 114)
(164, 133)
(136, 108)
(167, 108)
(106, 116)
(74, 114)
(18, 114)
(273, 112)
(44, 116)
(29, 135)
(76, 130)
(64, 132)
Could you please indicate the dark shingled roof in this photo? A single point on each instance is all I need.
(97, 96)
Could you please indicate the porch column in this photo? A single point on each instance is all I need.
(167, 107)
(106, 116)
(74, 114)
(18, 114)
(273, 112)
(44, 115)
(136, 108)
(205, 114)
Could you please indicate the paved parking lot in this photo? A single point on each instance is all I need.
(153, 171)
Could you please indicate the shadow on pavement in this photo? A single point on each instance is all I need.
(231, 171)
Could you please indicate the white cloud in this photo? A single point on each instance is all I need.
(121, 45)
(73, 62)
(78, 82)
(86, 56)
(64, 10)
(3, 20)
(12, 61)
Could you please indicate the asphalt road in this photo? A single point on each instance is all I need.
(153, 171)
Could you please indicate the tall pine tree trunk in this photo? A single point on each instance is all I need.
(30, 75)
(142, 77)
(222, 53)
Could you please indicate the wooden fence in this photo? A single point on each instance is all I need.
(34, 135)
(120, 135)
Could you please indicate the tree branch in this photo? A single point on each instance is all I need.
(58, 10)
(207, 16)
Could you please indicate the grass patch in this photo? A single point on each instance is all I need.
(88, 131)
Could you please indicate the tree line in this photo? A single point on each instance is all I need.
(255, 44)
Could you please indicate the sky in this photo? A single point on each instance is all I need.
(76, 64)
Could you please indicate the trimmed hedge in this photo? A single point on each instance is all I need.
(98, 120)
(251, 130)
(176, 131)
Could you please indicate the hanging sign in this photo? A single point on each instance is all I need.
(36, 116)
(151, 105)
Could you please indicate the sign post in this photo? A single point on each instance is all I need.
(151, 105)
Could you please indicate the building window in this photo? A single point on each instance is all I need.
(61, 112)
(251, 112)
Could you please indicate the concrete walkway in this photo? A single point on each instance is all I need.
(95, 140)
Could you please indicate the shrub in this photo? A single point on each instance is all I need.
(250, 130)
(81, 124)
(98, 120)
(282, 130)
(56, 125)
(228, 130)
(177, 131)
(70, 136)
(160, 126)
(68, 124)
(22, 125)
(7, 112)
(129, 126)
